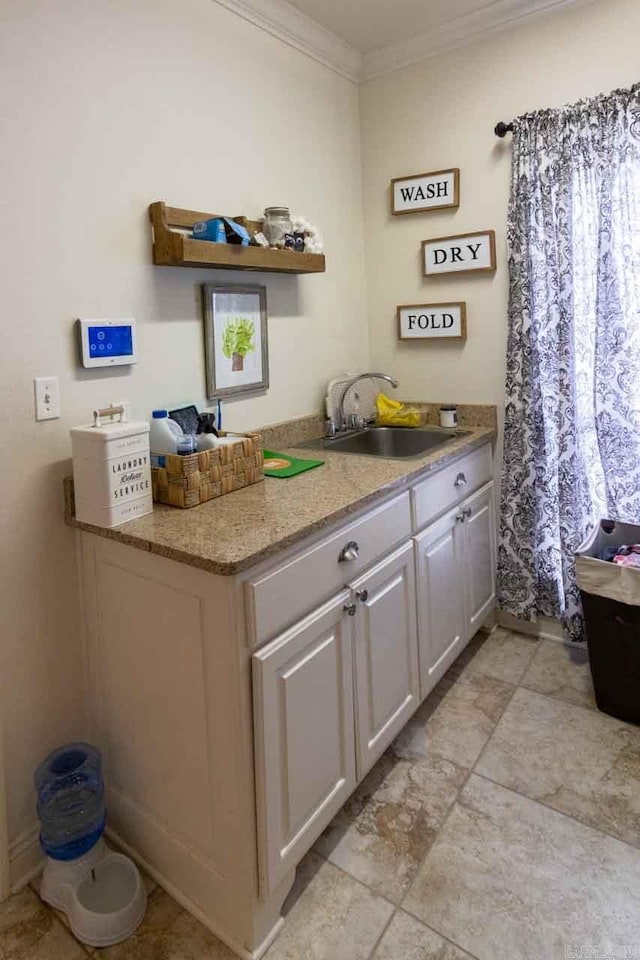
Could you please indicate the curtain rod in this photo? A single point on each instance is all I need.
(502, 129)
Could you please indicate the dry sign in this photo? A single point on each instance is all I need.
(425, 191)
(432, 321)
(465, 253)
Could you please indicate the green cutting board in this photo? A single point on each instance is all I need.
(282, 465)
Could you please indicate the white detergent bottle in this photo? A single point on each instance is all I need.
(163, 437)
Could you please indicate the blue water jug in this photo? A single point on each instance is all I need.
(70, 800)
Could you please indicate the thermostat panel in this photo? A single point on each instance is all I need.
(108, 343)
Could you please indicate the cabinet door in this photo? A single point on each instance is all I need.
(386, 654)
(479, 557)
(304, 743)
(440, 590)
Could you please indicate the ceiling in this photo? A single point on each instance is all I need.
(371, 24)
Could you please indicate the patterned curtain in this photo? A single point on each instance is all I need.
(572, 418)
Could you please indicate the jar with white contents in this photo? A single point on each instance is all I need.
(277, 223)
(448, 415)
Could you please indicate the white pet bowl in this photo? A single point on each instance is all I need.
(102, 894)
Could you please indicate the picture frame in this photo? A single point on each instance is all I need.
(236, 339)
(423, 192)
(429, 321)
(461, 254)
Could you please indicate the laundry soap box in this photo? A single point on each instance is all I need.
(221, 230)
(111, 469)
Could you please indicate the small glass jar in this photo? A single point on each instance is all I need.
(448, 415)
(277, 223)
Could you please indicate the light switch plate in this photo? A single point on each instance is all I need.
(47, 397)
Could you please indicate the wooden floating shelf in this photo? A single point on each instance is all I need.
(173, 248)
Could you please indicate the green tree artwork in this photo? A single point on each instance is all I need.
(237, 341)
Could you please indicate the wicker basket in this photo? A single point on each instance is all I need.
(188, 481)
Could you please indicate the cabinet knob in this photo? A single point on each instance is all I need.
(362, 595)
(349, 552)
(460, 480)
(467, 511)
(350, 608)
(460, 517)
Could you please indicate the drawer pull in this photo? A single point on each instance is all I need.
(460, 480)
(362, 595)
(350, 608)
(349, 552)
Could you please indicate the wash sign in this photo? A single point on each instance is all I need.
(465, 253)
(425, 191)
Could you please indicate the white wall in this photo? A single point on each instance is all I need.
(440, 114)
(107, 105)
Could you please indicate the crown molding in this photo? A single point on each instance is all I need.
(456, 33)
(284, 21)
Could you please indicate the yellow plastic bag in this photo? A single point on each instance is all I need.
(396, 414)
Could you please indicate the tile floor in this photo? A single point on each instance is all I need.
(502, 824)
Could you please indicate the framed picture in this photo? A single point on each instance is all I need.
(432, 321)
(235, 337)
(464, 253)
(425, 191)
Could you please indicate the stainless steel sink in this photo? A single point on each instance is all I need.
(392, 443)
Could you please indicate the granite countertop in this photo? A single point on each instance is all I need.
(234, 532)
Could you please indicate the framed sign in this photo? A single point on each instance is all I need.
(235, 338)
(465, 253)
(432, 321)
(425, 191)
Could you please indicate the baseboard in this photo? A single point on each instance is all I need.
(191, 907)
(5, 885)
(545, 628)
(25, 858)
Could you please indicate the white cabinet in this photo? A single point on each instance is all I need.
(333, 690)
(304, 742)
(479, 566)
(386, 654)
(310, 749)
(455, 563)
(275, 690)
(440, 591)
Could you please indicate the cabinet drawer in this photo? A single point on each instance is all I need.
(283, 594)
(450, 486)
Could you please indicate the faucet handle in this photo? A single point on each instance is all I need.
(355, 422)
(330, 428)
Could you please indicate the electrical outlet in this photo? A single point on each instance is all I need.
(47, 397)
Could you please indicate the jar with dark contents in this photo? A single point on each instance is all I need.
(448, 415)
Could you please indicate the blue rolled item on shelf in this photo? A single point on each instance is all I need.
(70, 801)
(221, 230)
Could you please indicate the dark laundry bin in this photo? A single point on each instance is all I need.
(611, 603)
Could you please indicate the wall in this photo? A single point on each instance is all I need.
(440, 114)
(110, 105)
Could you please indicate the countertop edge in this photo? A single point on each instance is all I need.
(231, 568)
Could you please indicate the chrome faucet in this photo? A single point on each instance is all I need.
(361, 376)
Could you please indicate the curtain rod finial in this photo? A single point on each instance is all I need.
(502, 129)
